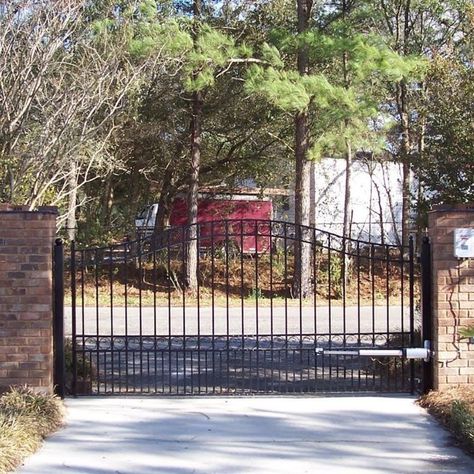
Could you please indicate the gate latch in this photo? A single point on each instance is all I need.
(424, 352)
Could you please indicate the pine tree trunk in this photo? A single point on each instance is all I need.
(405, 158)
(405, 129)
(347, 214)
(346, 227)
(302, 250)
(192, 200)
(347, 191)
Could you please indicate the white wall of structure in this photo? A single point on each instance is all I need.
(376, 199)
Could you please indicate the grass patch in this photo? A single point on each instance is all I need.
(455, 409)
(26, 418)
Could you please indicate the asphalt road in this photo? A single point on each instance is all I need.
(250, 321)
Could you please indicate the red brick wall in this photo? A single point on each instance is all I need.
(453, 298)
(26, 301)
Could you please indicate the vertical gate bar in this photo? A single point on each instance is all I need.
(155, 323)
(293, 359)
(372, 281)
(315, 323)
(127, 250)
(330, 364)
(358, 294)
(387, 291)
(426, 309)
(323, 370)
(83, 311)
(256, 307)
(206, 378)
(221, 370)
(358, 314)
(148, 369)
(83, 306)
(177, 352)
(191, 368)
(271, 299)
(381, 376)
(140, 310)
(213, 315)
(198, 305)
(242, 310)
(119, 378)
(264, 371)
(169, 274)
(250, 370)
(285, 234)
(162, 372)
(111, 289)
(285, 240)
(279, 370)
(402, 294)
(395, 375)
(352, 373)
(315, 286)
(185, 233)
(366, 370)
(372, 276)
(59, 358)
(96, 268)
(119, 353)
(73, 318)
(329, 295)
(344, 277)
(411, 253)
(402, 314)
(227, 300)
(104, 356)
(301, 235)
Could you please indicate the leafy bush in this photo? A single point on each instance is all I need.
(462, 421)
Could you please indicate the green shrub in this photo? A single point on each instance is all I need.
(462, 421)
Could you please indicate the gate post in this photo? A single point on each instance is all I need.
(453, 298)
(426, 310)
(26, 296)
(58, 328)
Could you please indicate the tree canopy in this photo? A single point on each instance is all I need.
(96, 98)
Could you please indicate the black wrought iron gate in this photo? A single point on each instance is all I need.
(135, 326)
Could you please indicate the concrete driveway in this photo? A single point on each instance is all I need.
(248, 435)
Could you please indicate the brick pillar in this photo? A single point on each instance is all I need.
(453, 298)
(26, 298)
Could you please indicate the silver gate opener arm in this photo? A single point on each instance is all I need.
(424, 353)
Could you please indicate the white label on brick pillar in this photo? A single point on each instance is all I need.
(464, 243)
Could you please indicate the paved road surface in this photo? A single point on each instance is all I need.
(393, 318)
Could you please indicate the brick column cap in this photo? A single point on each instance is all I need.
(460, 207)
(12, 208)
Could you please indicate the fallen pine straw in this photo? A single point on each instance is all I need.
(455, 409)
(25, 419)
